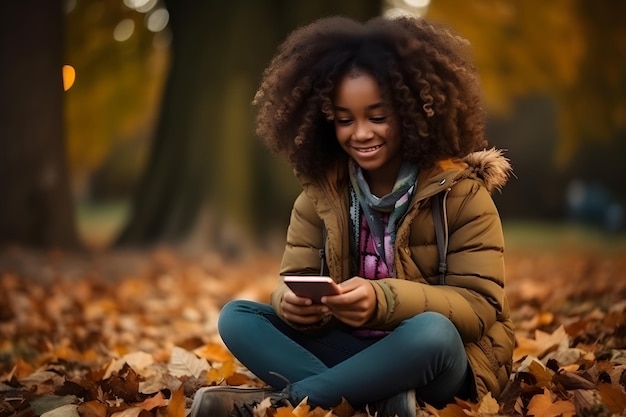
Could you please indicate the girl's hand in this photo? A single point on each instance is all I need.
(301, 310)
(356, 304)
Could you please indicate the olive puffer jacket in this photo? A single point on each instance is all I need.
(473, 295)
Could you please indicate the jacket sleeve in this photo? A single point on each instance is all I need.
(473, 294)
(302, 250)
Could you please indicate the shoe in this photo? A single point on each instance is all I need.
(220, 401)
(400, 405)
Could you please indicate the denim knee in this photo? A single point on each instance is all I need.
(434, 330)
(234, 318)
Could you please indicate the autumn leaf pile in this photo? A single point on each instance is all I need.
(130, 334)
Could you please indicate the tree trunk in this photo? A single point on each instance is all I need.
(208, 181)
(36, 208)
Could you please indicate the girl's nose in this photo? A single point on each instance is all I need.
(362, 131)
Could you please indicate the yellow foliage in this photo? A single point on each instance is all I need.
(570, 50)
(117, 85)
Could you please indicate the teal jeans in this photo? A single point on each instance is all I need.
(424, 353)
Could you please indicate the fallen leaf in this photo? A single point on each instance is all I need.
(343, 409)
(214, 352)
(217, 373)
(21, 369)
(136, 360)
(284, 412)
(452, 410)
(185, 363)
(541, 405)
(92, 409)
(488, 405)
(155, 401)
(68, 410)
(613, 397)
(176, 404)
(541, 344)
(46, 403)
(302, 409)
(132, 412)
(543, 375)
(572, 381)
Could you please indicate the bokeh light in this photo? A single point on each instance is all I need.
(69, 76)
(157, 20)
(124, 30)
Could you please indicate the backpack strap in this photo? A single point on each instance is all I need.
(322, 252)
(440, 218)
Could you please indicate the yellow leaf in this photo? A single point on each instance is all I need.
(542, 344)
(176, 404)
(214, 352)
(284, 412)
(488, 405)
(302, 409)
(541, 405)
(452, 410)
(217, 374)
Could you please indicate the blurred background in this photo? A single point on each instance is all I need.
(127, 123)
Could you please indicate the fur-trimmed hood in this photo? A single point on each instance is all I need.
(491, 166)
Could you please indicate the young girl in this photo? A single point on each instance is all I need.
(383, 125)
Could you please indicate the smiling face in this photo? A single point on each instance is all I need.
(366, 129)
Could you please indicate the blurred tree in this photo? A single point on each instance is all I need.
(120, 67)
(36, 207)
(208, 180)
(569, 50)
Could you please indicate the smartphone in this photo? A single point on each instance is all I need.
(313, 287)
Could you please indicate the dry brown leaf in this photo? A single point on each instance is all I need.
(132, 412)
(185, 363)
(572, 381)
(541, 344)
(136, 360)
(123, 384)
(613, 397)
(92, 409)
(451, 410)
(541, 405)
(543, 375)
(343, 409)
(158, 400)
(176, 404)
(21, 369)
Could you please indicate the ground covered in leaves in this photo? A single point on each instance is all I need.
(130, 334)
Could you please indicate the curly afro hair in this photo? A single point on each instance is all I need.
(424, 72)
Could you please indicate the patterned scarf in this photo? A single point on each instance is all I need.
(395, 204)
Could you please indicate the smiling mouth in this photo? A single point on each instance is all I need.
(370, 149)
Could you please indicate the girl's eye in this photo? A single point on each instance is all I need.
(343, 122)
(378, 119)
